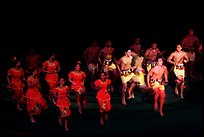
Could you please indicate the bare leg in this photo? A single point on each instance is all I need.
(17, 96)
(101, 119)
(156, 96)
(79, 103)
(181, 86)
(31, 118)
(176, 88)
(123, 94)
(106, 116)
(66, 124)
(84, 101)
(18, 105)
(162, 101)
(60, 121)
(114, 78)
(130, 89)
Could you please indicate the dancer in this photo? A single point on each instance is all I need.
(15, 78)
(77, 78)
(157, 84)
(103, 96)
(63, 103)
(34, 100)
(178, 58)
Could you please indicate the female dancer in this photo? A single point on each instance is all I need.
(63, 103)
(103, 96)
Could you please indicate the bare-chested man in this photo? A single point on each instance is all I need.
(151, 55)
(179, 57)
(157, 84)
(107, 61)
(127, 74)
(90, 55)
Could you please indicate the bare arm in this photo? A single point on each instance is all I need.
(136, 65)
(186, 58)
(158, 51)
(58, 68)
(118, 63)
(148, 76)
(146, 53)
(44, 69)
(99, 57)
(70, 79)
(165, 74)
(8, 79)
(170, 59)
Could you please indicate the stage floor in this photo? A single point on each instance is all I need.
(181, 117)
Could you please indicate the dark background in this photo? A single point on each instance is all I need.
(68, 30)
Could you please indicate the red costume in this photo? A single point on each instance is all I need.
(17, 84)
(35, 101)
(103, 96)
(63, 101)
(52, 77)
(77, 79)
(78, 87)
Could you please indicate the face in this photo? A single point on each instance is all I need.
(190, 32)
(52, 57)
(128, 53)
(178, 47)
(18, 64)
(109, 43)
(154, 45)
(77, 67)
(62, 81)
(137, 40)
(160, 61)
(103, 76)
(35, 72)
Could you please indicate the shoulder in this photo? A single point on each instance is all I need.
(97, 82)
(183, 52)
(45, 62)
(71, 73)
(83, 72)
(174, 53)
(164, 67)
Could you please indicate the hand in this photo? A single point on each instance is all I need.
(120, 72)
(148, 86)
(185, 61)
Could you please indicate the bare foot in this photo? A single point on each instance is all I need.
(161, 113)
(101, 122)
(80, 112)
(156, 108)
(106, 117)
(124, 103)
(133, 96)
(66, 128)
(60, 121)
(32, 120)
(182, 97)
(19, 108)
(176, 91)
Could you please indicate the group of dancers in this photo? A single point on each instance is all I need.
(104, 70)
